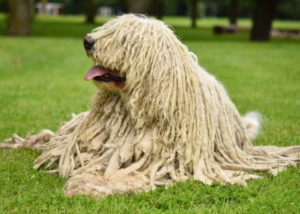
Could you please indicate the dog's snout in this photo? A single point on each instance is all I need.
(88, 43)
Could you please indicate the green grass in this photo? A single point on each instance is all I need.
(41, 84)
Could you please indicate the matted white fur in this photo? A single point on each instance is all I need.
(171, 122)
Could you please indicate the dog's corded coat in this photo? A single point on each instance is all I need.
(172, 121)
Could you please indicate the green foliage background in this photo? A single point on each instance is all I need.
(287, 9)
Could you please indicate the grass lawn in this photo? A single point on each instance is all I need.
(41, 84)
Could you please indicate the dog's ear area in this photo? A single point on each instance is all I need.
(159, 83)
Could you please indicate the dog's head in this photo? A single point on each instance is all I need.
(142, 58)
(116, 48)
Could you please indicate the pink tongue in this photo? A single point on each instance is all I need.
(95, 71)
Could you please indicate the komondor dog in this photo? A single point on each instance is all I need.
(158, 118)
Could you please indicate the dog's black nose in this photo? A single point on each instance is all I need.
(88, 43)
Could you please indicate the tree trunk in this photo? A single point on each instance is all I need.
(32, 8)
(141, 6)
(19, 18)
(44, 4)
(194, 13)
(233, 12)
(262, 20)
(124, 6)
(159, 8)
(89, 11)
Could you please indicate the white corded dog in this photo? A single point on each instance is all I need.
(158, 118)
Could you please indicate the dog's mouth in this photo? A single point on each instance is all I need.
(99, 73)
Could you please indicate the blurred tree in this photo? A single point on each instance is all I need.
(182, 7)
(262, 20)
(44, 2)
(19, 19)
(233, 12)
(89, 11)
(288, 9)
(124, 6)
(141, 6)
(148, 7)
(159, 8)
(73, 6)
(194, 8)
